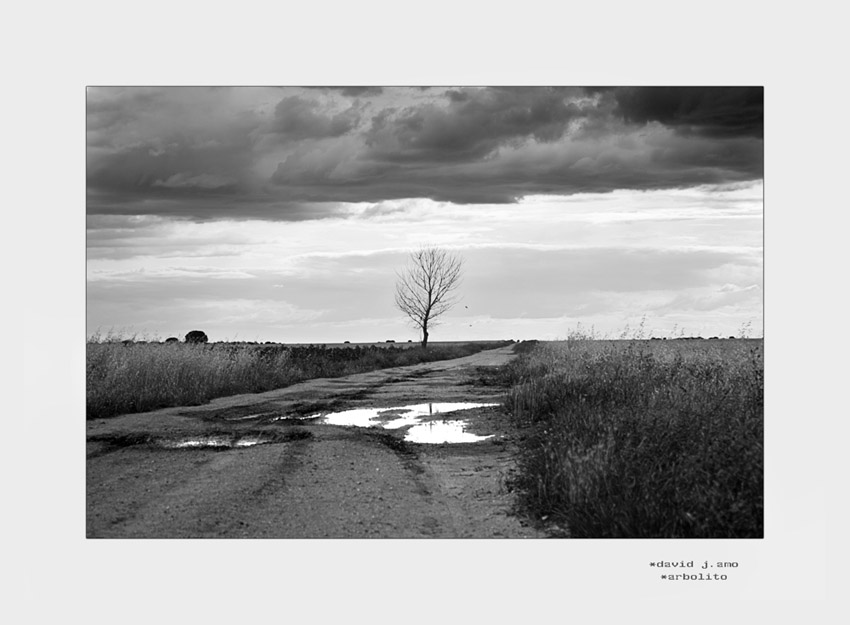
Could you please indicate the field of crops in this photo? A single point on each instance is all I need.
(126, 376)
(630, 439)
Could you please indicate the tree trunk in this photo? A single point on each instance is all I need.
(425, 337)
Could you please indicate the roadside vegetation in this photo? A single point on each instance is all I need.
(641, 438)
(127, 376)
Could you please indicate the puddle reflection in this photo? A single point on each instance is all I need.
(215, 442)
(437, 432)
(201, 441)
(412, 416)
(287, 417)
(394, 418)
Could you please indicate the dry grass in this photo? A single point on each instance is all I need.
(642, 438)
(136, 377)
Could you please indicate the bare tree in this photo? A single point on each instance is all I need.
(424, 289)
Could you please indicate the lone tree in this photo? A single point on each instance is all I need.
(424, 289)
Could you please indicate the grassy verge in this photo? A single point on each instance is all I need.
(642, 438)
(136, 377)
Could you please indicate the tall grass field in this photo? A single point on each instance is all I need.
(641, 438)
(125, 377)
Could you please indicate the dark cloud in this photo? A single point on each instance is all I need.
(185, 180)
(289, 153)
(472, 124)
(709, 111)
(141, 172)
(360, 91)
(198, 207)
(298, 118)
(146, 146)
(110, 107)
(351, 91)
(661, 159)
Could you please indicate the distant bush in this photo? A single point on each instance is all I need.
(196, 336)
(172, 339)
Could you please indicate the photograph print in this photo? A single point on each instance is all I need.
(464, 311)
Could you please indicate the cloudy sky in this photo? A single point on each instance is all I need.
(282, 214)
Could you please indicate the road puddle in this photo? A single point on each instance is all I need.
(287, 417)
(413, 416)
(216, 442)
(436, 432)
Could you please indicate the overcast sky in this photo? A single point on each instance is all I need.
(282, 214)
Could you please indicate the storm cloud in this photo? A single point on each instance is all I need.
(296, 153)
(709, 111)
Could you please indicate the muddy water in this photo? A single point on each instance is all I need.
(214, 441)
(436, 432)
(413, 416)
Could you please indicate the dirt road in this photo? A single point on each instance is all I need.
(270, 465)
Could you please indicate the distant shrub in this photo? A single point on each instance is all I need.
(172, 339)
(196, 336)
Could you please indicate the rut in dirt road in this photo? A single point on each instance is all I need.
(285, 464)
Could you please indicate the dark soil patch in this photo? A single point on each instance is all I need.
(388, 439)
(307, 408)
(228, 439)
(113, 442)
(234, 413)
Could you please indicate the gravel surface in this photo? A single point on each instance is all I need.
(276, 473)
